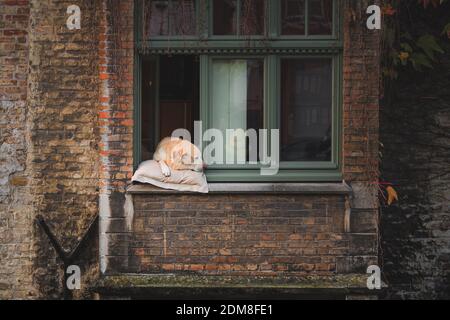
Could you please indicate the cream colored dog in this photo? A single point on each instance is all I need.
(178, 154)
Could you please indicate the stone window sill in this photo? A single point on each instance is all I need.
(179, 286)
(256, 188)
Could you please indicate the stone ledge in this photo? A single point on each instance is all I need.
(255, 188)
(195, 286)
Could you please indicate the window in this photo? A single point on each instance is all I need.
(243, 64)
(169, 18)
(236, 98)
(306, 109)
(238, 17)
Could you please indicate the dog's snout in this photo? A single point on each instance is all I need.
(205, 166)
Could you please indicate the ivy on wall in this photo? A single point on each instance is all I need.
(407, 44)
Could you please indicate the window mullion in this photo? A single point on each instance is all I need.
(169, 25)
(203, 18)
(271, 101)
(307, 17)
(271, 93)
(157, 98)
(205, 93)
(238, 18)
(273, 7)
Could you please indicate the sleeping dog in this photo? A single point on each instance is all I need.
(178, 154)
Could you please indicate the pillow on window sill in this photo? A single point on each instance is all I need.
(149, 172)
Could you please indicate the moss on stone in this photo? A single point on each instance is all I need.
(195, 281)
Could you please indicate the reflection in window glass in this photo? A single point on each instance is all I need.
(225, 17)
(156, 18)
(182, 17)
(251, 15)
(320, 17)
(169, 17)
(238, 97)
(168, 102)
(252, 19)
(306, 109)
(293, 17)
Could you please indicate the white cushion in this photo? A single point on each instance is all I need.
(150, 172)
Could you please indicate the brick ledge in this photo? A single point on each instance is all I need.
(171, 285)
(256, 188)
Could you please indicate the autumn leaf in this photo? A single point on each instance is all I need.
(389, 10)
(403, 56)
(392, 195)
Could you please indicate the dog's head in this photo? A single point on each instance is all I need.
(186, 156)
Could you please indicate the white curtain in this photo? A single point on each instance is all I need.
(229, 109)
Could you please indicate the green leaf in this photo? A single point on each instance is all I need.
(419, 59)
(429, 45)
(406, 47)
(446, 29)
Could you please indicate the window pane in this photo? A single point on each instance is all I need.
(156, 15)
(168, 102)
(238, 97)
(320, 17)
(182, 17)
(252, 19)
(306, 109)
(174, 17)
(293, 17)
(225, 17)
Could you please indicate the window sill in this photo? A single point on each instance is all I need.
(178, 285)
(256, 188)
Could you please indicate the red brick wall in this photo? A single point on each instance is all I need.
(361, 100)
(16, 241)
(116, 54)
(243, 235)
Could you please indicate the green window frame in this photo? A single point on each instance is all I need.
(272, 47)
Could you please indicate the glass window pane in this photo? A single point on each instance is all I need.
(182, 17)
(320, 17)
(169, 17)
(293, 17)
(237, 98)
(225, 17)
(156, 15)
(306, 109)
(168, 102)
(253, 13)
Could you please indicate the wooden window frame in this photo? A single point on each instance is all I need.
(272, 48)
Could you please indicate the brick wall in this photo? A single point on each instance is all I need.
(243, 235)
(63, 100)
(116, 53)
(361, 99)
(16, 241)
(66, 153)
(78, 161)
(67, 139)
